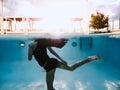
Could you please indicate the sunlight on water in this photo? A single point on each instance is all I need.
(112, 85)
(115, 36)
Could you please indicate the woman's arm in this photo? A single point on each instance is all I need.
(54, 53)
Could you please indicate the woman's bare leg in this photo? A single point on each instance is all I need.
(78, 64)
(49, 79)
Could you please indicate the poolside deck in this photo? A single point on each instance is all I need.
(39, 33)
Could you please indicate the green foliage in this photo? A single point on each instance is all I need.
(98, 21)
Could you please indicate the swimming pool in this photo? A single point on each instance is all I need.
(17, 73)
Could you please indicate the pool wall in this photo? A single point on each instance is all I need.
(10, 50)
(109, 49)
(76, 48)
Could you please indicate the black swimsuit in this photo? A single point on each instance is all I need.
(40, 53)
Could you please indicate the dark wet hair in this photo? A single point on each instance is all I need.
(60, 42)
(53, 41)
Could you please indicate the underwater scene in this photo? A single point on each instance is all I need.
(59, 44)
(18, 73)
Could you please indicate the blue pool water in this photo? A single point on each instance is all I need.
(17, 73)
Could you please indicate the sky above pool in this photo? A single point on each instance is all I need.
(58, 14)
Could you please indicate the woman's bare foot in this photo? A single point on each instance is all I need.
(92, 58)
